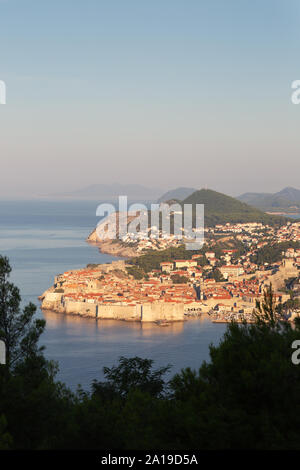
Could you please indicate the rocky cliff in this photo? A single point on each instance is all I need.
(111, 247)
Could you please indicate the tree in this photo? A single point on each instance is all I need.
(5, 438)
(246, 396)
(136, 272)
(133, 374)
(291, 304)
(216, 275)
(178, 279)
(35, 411)
(19, 331)
(266, 311)
(272, 253)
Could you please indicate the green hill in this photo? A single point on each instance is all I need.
(220, 209)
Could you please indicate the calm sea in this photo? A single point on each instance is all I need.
(44, 238)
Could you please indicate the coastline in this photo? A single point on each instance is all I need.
(111, 247)
(295, 215)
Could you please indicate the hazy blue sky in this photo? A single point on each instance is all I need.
(159, 92)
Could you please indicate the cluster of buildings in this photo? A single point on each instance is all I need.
(117, 288)
(143, 243)
(253, 235)
(256, 233)
(113, 294)
(224, 283)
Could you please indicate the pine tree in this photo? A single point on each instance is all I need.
(18, 329)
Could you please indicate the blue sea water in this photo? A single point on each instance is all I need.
(44, 238)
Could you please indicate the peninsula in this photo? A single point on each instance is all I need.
(224, 279)
(106, 291)
(161, 281)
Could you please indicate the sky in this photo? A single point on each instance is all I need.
(162, 93)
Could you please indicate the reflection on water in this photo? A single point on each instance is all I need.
(56, 320)
(44, 238)
(84, 345)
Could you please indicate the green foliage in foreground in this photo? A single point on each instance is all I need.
(246, 396)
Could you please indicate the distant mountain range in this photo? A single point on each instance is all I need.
(286, 199)
(219, 208)
(176, 194)
(132, 191)
(112, 191)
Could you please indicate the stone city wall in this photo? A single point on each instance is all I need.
(147, 312)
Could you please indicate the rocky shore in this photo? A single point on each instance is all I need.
(112, 247)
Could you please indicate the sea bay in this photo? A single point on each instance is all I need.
(45, 238)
